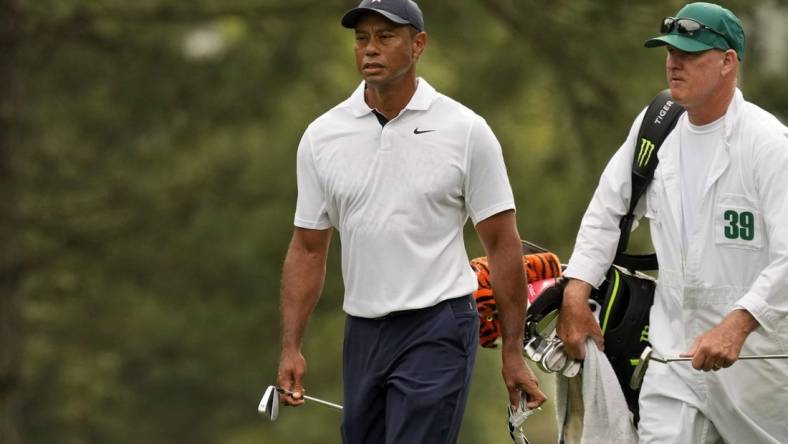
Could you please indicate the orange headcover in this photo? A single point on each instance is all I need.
(538, 266)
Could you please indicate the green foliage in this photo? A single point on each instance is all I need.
(151, 149)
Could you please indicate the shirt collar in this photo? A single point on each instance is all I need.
(422, 99)
(732, 114)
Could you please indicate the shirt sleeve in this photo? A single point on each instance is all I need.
(311, 210)
(767, 299)
(486, 184)
(597, 238)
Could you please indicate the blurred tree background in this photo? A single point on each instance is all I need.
(147, 186)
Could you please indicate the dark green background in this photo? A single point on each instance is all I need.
(147, 185)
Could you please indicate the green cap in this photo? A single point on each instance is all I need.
(729, 31)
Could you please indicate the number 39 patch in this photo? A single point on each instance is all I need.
(737, 223)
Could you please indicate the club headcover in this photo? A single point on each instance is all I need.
(541, 270)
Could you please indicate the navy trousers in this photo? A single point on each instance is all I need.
(407, 375)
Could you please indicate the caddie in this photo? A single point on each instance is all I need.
(718, 215)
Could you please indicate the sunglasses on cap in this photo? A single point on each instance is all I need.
(688, 27)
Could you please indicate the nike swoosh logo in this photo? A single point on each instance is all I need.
(416, 131)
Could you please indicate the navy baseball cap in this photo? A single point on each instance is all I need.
(403, 12)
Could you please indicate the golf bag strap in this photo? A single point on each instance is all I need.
(637, 261)
(659, 120)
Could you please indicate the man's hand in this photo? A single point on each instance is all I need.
(290, 377)
(519, 378)
(576, 322)
(720, 347)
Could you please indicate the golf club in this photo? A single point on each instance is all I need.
(269, 403)
(648, 355)
(516, 418)
(530, 247)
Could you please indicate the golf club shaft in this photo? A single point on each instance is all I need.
(311, 398)
(326, 403)
(689, 358)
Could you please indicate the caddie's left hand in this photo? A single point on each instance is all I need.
(519, 379)
(720, 347)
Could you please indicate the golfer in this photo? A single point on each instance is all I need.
(718, 214)
(397, 169)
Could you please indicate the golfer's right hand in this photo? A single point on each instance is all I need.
(576, 322)
(290, 377)
(521, 381)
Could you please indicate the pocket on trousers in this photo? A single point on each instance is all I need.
(467, 320)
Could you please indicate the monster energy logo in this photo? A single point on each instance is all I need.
(646, 148)
(644, 334)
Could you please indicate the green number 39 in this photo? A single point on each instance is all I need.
(740, 225)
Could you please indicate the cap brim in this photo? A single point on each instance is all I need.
(686, 44)
(351, 17)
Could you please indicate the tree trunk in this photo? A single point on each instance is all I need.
(10, 310)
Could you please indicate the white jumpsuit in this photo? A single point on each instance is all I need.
(737, 257)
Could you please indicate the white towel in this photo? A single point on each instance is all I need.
(606, 417)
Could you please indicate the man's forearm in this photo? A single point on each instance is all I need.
(508, 280)
(303, 275)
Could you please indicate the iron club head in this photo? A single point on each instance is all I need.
(547, 351)
(531, 347)
(572, 368)
(640, 369)
(269, 403)
(555, 359)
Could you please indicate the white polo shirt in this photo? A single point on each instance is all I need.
(399, 195)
